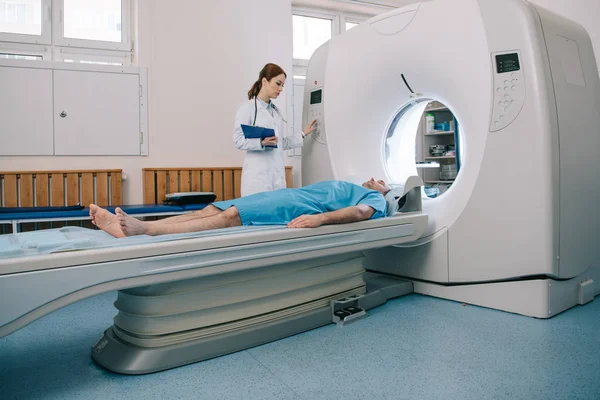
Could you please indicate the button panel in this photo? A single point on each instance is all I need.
(315, 111)
(509, 96)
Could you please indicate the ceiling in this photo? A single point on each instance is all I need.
(367, 7)
(386, 3)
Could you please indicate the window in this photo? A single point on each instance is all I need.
(98, 24)
(20, 57)
(25, 21)
(93, 20)
(312, 28)
(21, 17)
(309, 34)
(92, 56)
(23, 51)
(90, 31)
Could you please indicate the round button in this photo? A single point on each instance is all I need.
(513, 74)
(506, 102)
(501, 117)
(506, 88)
(515, 81)
(513, 87)
(506, 82)
(499, 89)
(505, 109)
(496, 123)
(500, 103)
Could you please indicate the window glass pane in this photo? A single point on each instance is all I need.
(309, 34)
(350, 25)
(93, 20)
(21, 16)
(69, 60)
(20, 57)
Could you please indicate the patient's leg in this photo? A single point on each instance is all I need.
(207, 211)
(221, 219)
(105, 220)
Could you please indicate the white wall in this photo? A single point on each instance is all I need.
(202, 58)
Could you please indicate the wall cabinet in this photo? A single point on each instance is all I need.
(59, 109)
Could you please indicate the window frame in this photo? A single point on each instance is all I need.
(300, 66)
(52, 46)
(60, 40)
(351, 18)
(94, 55)
(305, 12)
(46, 35)
(338, 26)
(27, 49)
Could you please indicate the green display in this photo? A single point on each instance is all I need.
(507, 63)
(316, 96)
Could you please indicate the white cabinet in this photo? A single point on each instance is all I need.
(96, 113)
(65, 110)
(26, 120)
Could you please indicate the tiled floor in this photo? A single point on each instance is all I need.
(414, 347)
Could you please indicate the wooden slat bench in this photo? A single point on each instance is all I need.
(59, 189)
(225, 183)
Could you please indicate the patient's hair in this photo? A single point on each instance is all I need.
(269, 72)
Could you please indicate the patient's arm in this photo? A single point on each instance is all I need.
(342, 216)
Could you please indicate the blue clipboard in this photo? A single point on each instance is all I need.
(257, 132)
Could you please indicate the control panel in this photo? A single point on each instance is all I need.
(509, 89)
(315, 111)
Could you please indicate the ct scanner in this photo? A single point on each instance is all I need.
(517, 238)
(517, 230)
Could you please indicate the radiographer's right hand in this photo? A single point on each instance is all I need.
(269, 141)
(310, 127)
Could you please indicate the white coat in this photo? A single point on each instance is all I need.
(263, 168)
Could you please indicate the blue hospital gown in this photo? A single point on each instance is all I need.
(281, 206)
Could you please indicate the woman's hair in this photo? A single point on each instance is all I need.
(268, 72)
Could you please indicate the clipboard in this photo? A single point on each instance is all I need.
(257, 132)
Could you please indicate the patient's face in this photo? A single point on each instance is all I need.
(379, 185)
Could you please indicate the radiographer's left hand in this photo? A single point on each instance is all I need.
(310, 127)
(306, 221)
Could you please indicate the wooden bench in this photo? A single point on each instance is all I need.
(225, 183)
(25, 189)
(61, 188)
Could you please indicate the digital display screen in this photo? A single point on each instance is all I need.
(507, 63)
(316, 97)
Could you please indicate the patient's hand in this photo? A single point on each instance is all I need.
(306, 221)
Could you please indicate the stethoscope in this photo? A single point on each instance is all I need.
(270, 105)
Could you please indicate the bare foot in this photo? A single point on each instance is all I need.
(106, 221)
(93, 209)
(130, 226)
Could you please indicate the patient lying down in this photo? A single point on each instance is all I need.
(328, 202)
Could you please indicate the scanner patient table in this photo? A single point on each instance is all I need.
(188, 297)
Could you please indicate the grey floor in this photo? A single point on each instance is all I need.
(413, 347)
